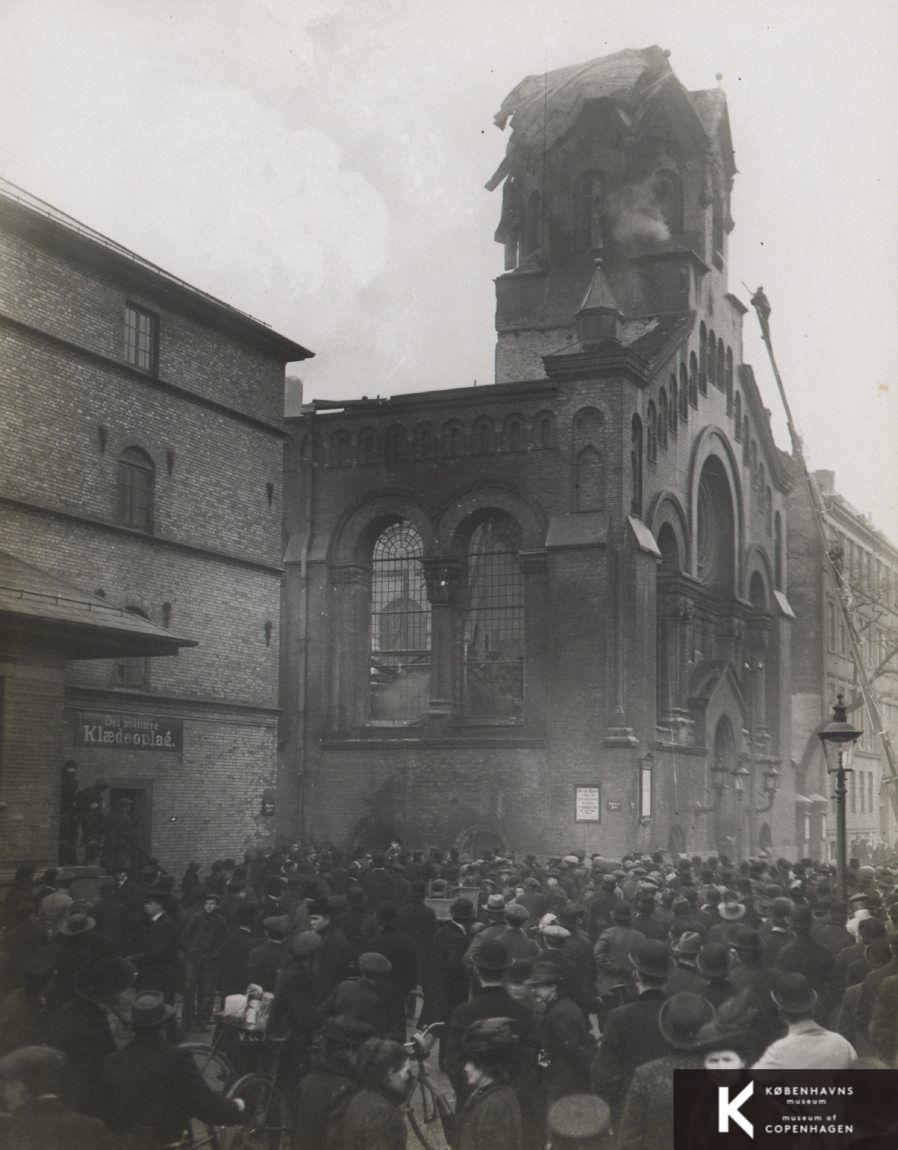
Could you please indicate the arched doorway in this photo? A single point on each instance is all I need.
(479, 838)
(715, 528)
(726, 829)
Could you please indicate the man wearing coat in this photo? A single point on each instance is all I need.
(36, 1116)
(203, 938)
(612, 958)
(153, 1089)
(402, 978)
(157, 950)
(567, 1045)
(449, 946)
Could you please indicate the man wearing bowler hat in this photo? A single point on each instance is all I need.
(807, 1045)
(632, 1035)
(566, 1044)
(153, 1089)
(647, 1121)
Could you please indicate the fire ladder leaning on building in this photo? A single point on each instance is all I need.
(854, 622)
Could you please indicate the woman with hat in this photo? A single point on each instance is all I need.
(80, 1028)
(152, 1089)
(490, 1118)
(647, 1122)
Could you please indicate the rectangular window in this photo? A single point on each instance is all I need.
(870, 791)
(141, 337)
(646, 808)
(860, 787)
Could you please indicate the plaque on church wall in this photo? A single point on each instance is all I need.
(587, 803)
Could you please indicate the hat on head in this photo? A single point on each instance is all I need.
(76, 922)
(578, 1119)
(554, 930)
(545, 974)
(793, 993)
(650, 957)
(781, 907)
(569, 913)
(571, 860)
(532, 882)
(495, 906)
(688, 944)
(387, 912)
(462, 910)
(491, 1038)
(520, 970)
(103, 977)
(682, 1017)
(746, 939)
(492, 955)
(276, 926)
(731, 911)
(713, 960)
(305, 943)
(211, 896)
(150, 1009)
(516, 914)
(608, 880)
(345, 1031)
(623, 912)
(374, 963)
(801, 918)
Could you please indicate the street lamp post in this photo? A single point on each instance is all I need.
(838, 738)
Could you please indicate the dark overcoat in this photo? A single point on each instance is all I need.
(232, 977)
(449, 946)
(48, 1124)
(360, 999)
(81, 1031)
(373, 1122)
(490, 1120)
(22, 1021)
(568, 1047)
(321, 1104)
(647, 1121)
(492, 1002)
(154, 1089)
(157, 954)
(631, 1037)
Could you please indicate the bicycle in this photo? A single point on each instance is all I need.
(427, 1100)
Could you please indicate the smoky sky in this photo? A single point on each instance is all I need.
(321, 165)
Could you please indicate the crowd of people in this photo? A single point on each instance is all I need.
(567, 991)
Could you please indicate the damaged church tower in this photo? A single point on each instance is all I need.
(611, 159)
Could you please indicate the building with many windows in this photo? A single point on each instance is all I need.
(823, 667)
(140, 517)
(554, 610)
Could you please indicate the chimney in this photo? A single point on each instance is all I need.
(826, 481)
(599, 317)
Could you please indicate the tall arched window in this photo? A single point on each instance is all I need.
(515, 433)
(703, 356)
(768, 511)
(494, 622)
(684, 392)
(453, 439)
(711, 360)
(721, 362)
(544, 430)
(426, 444)
(636, 466)
(397, 445)
(589, 211)
(728, 372)
(367, 452)
(715, 530)
(673, 412)
(737, 416)
(746, 441)
(669, 198)
(136, 489)
(663, 417)
(483, 435)
(400, 627)
(651, 431)
(694, 380)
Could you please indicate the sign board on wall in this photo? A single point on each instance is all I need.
(587, 804)
(118, 730)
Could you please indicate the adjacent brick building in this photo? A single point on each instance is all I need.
(551, 612)
(140, 515)
(823, 667)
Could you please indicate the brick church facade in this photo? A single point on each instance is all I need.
(552, 612)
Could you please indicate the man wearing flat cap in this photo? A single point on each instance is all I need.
(364, 997)
(336, 960)
(490, 1116)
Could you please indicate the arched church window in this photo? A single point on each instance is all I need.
(778, 551)
(768, 510)
(714, 527)
(684, 392)
(367, 450)
(400, 627)
(136, 489)
(728, 370)
(515, 433)
(544, 430)
(494, 622)
(483, 436)
(397, 445)
(636, 448)
(673, 410)
(589, 210)
(651, 431)
(669, 198)
(711, 361)
(453, 439)
(694, 380)
(662, 418)
(703, 356)
(721, 365)
(746, 440)
(737, 415)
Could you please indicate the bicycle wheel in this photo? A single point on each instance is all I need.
(215, 1068)
(430, 1115)
(267, 1123)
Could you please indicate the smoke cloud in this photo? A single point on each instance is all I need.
(635, 214)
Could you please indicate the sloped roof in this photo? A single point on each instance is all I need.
(662, 339)
(711, 108)
(32, 599)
